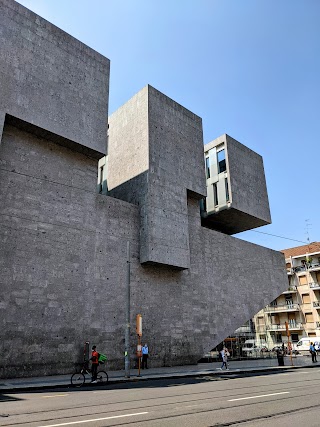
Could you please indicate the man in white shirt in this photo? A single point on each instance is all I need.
(145, 353)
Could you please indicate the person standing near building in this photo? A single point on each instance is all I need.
(313, 353)
(224, 355)
(94, 364)
(145, 355)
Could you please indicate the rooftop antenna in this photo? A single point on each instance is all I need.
(308, 225)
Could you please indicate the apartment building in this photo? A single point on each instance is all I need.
(299, 305)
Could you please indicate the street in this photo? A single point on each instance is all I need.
(277, 399)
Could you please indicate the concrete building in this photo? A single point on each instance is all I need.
(63, 244)
(299, 304)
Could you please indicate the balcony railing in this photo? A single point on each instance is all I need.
(282, 307)
(314, 286)
(314, 267)
(291, 289)
(316, 304)
(282, 327)
(244, 329)
(305, 267)
(299, 268)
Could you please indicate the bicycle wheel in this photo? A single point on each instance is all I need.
(102, 377)
(78, 379)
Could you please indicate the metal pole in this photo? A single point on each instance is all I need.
(139, 358)
(127, 327)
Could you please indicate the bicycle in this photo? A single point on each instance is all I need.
(79, 378)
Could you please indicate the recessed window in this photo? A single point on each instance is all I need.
(100, 179)
(303, 280)
(215, 194)
(227, 189)
(306, 299)
(221, 155)
(203, 204)
(309, 317)
(208, 167)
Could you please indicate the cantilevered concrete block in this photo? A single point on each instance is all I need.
(237, 194)
(52, 81)
(155, 155)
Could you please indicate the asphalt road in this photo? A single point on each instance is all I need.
(277, 399)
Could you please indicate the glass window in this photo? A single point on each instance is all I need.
(215, 194)
(208, 167)
(221, 161)
(203, 204)
(227, 189)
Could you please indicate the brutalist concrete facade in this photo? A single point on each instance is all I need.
(63, 246)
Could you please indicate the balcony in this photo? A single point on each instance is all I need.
(282, 327)
(299, 268)
(282, 308)
(304, 267)
(316, 304)
(314, 267)
(315, 286)
(291, 289)
(244, 330)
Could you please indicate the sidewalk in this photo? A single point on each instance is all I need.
(202, 369)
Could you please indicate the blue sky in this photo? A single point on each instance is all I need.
(249, 68)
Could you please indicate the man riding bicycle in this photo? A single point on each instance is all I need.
(95, 363)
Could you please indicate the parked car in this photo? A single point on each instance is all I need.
(212, 356)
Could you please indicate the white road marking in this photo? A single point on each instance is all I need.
(55, 395)
(96, 419)
(188, 406)
(261, 395)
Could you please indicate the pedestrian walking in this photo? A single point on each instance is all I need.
(145, 355)
(94, 364)
(313, 352)
(224, 355)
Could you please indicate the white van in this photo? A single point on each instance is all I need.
(303, 345)
(252, 346)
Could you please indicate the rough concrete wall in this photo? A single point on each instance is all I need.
(128, 150)
(62, 257)
(234, 279)
(52, 80)
(247, 181)
(174, 133)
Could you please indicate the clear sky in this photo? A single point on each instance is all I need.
(249, 68)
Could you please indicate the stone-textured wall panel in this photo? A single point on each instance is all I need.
(63, 252)
(247, 180)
